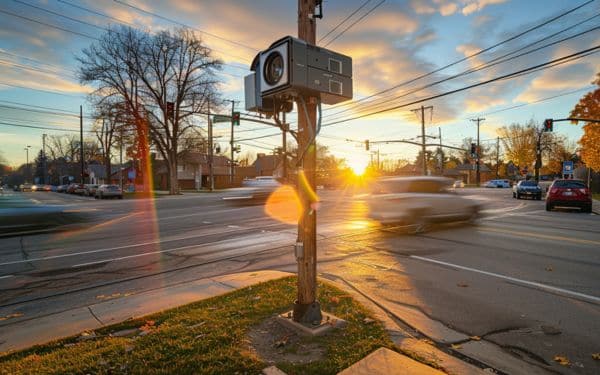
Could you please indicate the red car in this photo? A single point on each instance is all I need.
(569, 193)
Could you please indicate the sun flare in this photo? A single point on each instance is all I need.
(358, 166)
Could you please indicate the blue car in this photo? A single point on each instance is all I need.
(527, 189)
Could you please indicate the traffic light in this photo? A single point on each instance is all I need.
(473, 149)
(367, 145)
(548, 125)
(235, 118)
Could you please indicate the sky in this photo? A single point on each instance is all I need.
(391, 43)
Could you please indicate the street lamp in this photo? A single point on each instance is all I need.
(27, 151)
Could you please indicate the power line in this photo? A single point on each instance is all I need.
(344, 20)
(41, 107)
(466, 57)
(532, 69)
(43, 127)
(123, 22)
(38, 111)
(49, 25)
(469, 71)
(41, 90)
(355, 22)
(184, 25)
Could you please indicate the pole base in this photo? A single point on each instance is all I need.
(307, 313)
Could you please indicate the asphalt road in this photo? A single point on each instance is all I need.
(523, 278)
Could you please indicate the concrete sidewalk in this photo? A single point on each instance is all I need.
(596, 206)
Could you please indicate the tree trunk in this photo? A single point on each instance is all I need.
(107, 167)
(173, 182)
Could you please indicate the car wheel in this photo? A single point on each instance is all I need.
(420, 224)
(120, 197)
(587, 209)
(518, 196)
(548, 207)
(514, 195)
(95, 197)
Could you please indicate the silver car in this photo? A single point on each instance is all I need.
(419, 201)
(109, 191)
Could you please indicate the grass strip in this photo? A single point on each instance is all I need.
(205, 337)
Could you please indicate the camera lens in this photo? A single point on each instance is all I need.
(273, 68)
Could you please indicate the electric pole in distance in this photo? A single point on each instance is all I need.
(306, 308)
(423, 141)
(478, 174)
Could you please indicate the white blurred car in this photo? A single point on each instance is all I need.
(458, 184)
(418, 202)
(255, 190)
(497, 184)
(109, 191)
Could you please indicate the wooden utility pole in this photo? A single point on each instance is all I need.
(423, 137)
(306, 307)
(210, 149)
(231, 166)
(478, 173)
(81, 141)
(441, 152)
(284, 147)
(45, 166)
(498, 157)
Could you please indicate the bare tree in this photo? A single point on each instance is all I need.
(163, 79)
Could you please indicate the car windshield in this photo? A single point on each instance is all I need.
(529, 183)
(569, 184)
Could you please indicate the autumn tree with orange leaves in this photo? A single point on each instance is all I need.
(589, 108)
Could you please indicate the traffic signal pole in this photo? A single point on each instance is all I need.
(306, 307)
(478, 172)
(231, 171)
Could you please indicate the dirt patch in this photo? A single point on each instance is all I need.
(274, 343)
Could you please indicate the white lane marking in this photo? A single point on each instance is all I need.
(566, 292)
(6, 276)
(233, 226)
(130, 246)
(207, 222)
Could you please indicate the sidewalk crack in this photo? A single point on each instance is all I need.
(95, 317)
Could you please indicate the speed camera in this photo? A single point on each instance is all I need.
(291, 67)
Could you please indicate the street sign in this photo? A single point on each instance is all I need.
(567, 168)
(221, 118)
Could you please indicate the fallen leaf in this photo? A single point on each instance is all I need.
(562, 360)
(475, 338)
(596, 356)
(462, 285)
(456, 346)
(368, 320)
(334, 300)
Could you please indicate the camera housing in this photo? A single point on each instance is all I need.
(291, 67)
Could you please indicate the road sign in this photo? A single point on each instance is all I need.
(221, 118)
(567, 167)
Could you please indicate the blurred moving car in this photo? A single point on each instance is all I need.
(61, 188)
(497, 184)
(90, 190)
(26, 187)
(569, 193)
(527, 188)
(255, 190)
(418, 202)
(458, 184)
(108, 191)
(79, 189)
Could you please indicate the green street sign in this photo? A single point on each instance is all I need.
(221, 118)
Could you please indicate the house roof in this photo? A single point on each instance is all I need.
(473, 167)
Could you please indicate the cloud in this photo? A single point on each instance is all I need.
(478, 5)
(420, 7)
(448, 9)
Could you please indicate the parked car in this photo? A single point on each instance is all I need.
(497, 184)
(61, 188)
(109, 191)
(26, 187)
(419, 201)
(527, 188)
(458, 184)
(76, 189)
(90, 190)
(569, 193)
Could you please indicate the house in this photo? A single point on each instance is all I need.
(469, 173)
(268, 165)
(193, 171)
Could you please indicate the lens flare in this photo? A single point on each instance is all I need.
(284, 205)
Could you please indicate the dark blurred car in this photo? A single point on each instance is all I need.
(527, 189)
(61, 188)
(419, 201)
(75, 188)
(109, 191)
(569, 193)
(90, 190)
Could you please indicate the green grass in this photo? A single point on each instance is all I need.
(206, 337)
(596, 196)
